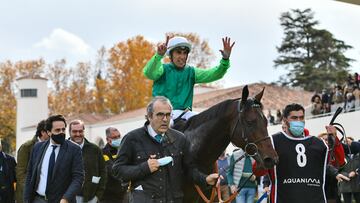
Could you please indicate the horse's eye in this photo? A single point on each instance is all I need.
(250, 123)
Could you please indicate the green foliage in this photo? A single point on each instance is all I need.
(313, 57)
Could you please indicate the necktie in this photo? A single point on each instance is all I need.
(51, 168)
(158, 138)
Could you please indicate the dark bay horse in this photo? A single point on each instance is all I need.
(239, 121)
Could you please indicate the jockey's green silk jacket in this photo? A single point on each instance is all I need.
(178, 84)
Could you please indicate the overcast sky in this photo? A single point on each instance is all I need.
(76, 29)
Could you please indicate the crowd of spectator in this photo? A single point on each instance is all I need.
(274, 120)
(328, 100)
(346, 96)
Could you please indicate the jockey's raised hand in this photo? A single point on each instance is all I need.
(226, 51)
(162, 48)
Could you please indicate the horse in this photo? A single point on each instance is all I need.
(239, 121)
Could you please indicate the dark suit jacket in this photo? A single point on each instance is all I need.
(68, 175)
(94, 165)
(7, 193)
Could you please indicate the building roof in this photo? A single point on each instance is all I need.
(355, 2)
(126, 116)
(88, 118)
(275, 97)
(31, 77)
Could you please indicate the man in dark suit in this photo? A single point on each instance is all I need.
(7, 176)
(55, 171)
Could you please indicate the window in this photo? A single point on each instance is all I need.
(29, 93)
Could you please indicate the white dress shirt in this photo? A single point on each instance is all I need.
(80, 145)
(152, 132)
(44, 168)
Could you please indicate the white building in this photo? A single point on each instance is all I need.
(32, 106)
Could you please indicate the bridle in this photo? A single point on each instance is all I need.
(247, 149)
(248, 144)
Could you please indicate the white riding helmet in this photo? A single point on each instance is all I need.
(178, 42)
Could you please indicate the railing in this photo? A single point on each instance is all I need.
(309, 115)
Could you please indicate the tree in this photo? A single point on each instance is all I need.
(8, 73)
(7, 103)
(100, 92)
(30, 68)
(58, 75)
(129, 89)
(314, 58)
(79, 93)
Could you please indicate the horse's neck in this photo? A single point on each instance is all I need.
(180, 125)
(208, 141)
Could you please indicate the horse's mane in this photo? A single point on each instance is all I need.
(213, 112)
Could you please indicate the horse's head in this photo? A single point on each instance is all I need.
(250, 130)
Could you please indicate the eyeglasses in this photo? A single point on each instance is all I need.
(77, 131)
(161, 115)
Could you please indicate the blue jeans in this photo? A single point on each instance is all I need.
(246, 195)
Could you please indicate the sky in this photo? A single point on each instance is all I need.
(75, 30)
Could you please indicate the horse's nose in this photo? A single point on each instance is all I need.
(270, 162)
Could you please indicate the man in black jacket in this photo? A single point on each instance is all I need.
(94, 165)
(115, 190)
(55, 170)
(154, 180)
(7, 177)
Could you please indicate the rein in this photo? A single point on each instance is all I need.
(216, 189)
(251, 150)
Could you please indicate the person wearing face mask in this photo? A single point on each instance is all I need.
(176, 80)
(55, 171)
(94, 165)
(303, 161)
(115, 190)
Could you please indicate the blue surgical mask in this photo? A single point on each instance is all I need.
(116, 143)
(165, 160)
(297, 128)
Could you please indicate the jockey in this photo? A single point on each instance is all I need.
(176, 80)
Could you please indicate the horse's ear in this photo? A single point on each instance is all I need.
(259, 95)
(245, 94)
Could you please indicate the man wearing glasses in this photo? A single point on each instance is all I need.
(94, 165)
(156, 159)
